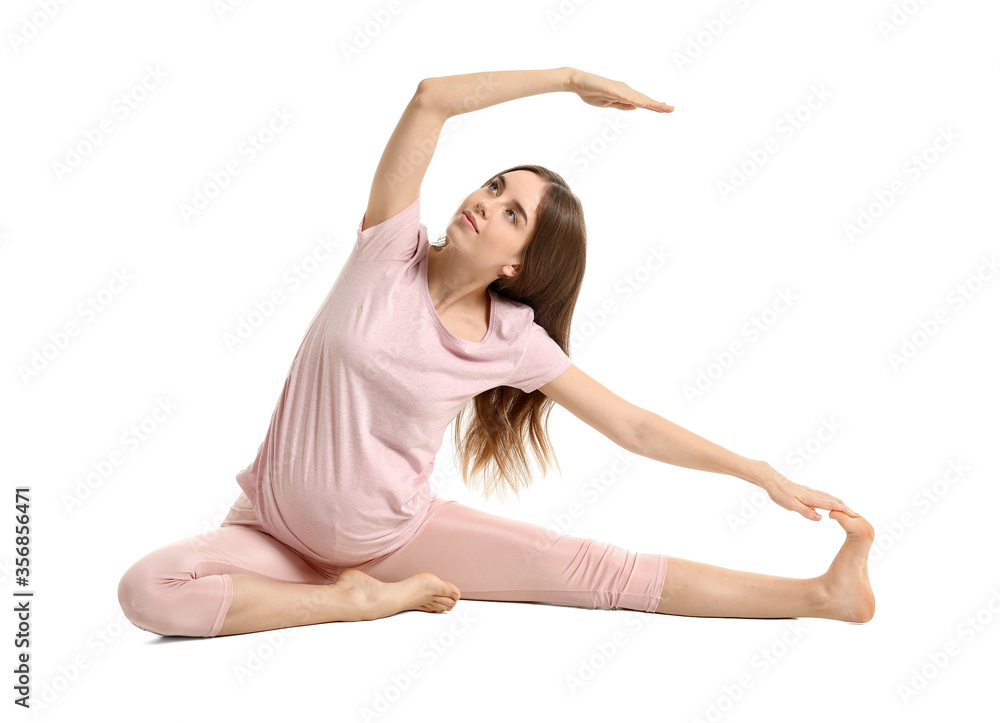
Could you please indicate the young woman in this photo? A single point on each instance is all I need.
(337, 520)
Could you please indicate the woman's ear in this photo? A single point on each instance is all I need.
(517, 270)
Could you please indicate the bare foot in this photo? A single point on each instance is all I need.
(848, 593)
(366, 598)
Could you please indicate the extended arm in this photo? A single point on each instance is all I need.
(453, 95)
(664, 441)
(456, 94)
(408, 153)
(643, 432)
(650, 435)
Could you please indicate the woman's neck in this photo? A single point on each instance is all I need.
(453, 284)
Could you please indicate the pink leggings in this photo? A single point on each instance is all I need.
(185, 588)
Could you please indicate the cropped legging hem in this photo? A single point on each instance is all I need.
(186, 588)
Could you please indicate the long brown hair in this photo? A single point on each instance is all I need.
(503, 418)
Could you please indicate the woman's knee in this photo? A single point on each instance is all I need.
(162, 594)
(137, 592)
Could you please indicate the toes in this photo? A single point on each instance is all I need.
(444, 603)
(438, 587)
(439, 596)
(854, 525)
(439, 604)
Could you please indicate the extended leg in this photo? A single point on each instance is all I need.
(842, 593)
(495, 558)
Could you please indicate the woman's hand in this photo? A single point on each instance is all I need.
(604, 93)
(797, 498)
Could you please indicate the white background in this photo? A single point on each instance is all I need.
(889, 90)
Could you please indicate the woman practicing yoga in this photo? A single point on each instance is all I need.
(337, 520)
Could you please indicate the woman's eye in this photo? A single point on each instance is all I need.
(493, 184)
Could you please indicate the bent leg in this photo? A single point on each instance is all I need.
(186, 588)
(239, 579)
(495, 558)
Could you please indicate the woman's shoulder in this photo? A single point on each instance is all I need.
(510, 306)
(514, 315)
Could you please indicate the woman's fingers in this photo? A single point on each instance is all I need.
(840, 506)
(836, 499)
(804, 500)
(648, 102)
(644, 101)
(603, 92)
(633, 96)
(658, 106)
(829, 502)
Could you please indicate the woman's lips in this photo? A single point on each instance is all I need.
(468, 222)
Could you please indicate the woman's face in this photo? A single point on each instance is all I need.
(504, 215)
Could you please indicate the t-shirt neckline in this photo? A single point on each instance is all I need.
(437, 319)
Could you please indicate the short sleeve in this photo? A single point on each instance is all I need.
(395, 238)
(543, 360)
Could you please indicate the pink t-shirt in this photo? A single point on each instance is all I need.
(343, 473)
